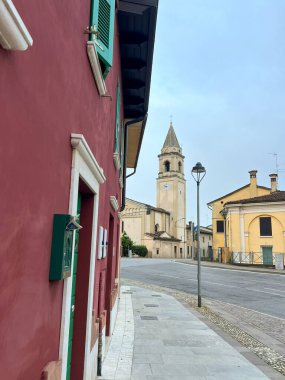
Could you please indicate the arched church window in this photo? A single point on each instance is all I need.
(167, 166)
(156, 227)
(179, 166)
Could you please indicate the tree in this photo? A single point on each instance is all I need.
(127, 243)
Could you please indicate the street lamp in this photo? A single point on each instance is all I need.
(198, 173)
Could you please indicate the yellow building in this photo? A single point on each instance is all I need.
(239, 219)
(256, 229)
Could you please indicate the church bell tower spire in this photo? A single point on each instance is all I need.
(171, 184)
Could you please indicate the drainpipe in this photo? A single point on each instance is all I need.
(125, 176)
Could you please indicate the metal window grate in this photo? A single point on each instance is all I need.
(150, 305)
(148, 318)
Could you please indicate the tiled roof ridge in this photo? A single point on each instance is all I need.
(150, 206)
(236, 191)
(276, 196)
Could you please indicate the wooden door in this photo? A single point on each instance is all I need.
(267, 255)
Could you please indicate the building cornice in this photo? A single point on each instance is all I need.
(171, 154)
(114, 203)
(79, 143)
(13, 32)
(253, 208)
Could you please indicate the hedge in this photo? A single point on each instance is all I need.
(140, 250)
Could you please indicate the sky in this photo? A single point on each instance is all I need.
(219, 70)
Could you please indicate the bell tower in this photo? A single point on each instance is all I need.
(171, 184)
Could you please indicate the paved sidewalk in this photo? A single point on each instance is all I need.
(157, 338)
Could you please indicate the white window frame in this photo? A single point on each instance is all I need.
(85, 167)
(13, 32)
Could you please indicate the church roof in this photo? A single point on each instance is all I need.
(149, 206)
(162, 235)
(171, 139)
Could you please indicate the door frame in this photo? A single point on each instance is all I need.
(86, 167)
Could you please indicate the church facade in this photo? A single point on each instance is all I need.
(162, 229)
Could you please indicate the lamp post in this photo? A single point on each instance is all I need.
(198, 173)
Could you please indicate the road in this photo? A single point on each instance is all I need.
(261, 292)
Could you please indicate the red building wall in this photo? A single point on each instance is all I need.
(46, 93)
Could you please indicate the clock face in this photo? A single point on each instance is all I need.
(166, 186)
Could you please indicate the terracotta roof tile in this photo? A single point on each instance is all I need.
(276, 196)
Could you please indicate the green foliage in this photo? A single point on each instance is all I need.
(127, 243)
(140, 250)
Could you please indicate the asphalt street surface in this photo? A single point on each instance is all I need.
(261, 292)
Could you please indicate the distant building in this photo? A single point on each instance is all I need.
(149, 226)
(206, 241)
(249, 223)
(163, 228)
(256, 228)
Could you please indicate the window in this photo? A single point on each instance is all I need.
(102, 25)
(220, 226)
(203, 239)
(167, 166)
(156, 227)
(179, 166)
(265, 226)
(157, 251)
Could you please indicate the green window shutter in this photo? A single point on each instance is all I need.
(117, 126)
(102, 21)
(122, 150)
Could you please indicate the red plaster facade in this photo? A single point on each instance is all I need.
(47, 93)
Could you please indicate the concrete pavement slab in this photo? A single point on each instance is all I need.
(172, 344)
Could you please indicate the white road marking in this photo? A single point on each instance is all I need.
(194, 279)
(262, 291)
(277, 290)
(224, 285)
(236, 270)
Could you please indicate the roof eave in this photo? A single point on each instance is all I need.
(137, 24)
